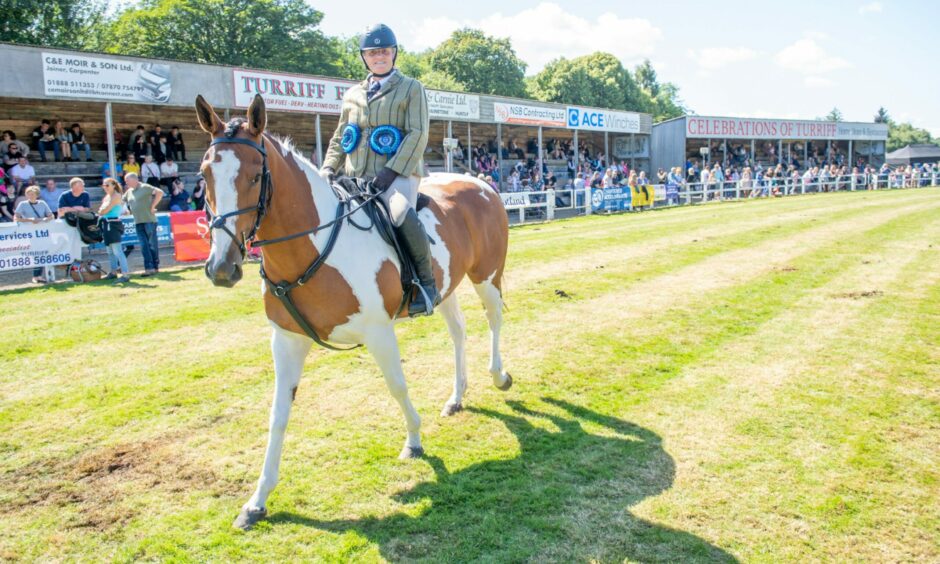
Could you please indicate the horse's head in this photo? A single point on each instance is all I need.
(235, 168)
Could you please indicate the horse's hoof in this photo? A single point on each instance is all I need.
(411, 452)
(507, 384)
(451, 409)
(248, 517)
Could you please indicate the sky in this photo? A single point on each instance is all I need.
(794, 60)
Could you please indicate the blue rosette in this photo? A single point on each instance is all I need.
(351, 137)
(385, 140)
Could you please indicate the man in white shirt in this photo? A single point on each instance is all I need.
(22, 173)
(169, 171)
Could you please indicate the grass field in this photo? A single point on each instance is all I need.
(754, 381)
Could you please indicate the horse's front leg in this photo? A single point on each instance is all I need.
(289, 351)
(383, 345)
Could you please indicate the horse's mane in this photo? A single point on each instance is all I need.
(285, 143)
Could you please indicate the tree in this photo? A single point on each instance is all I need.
(646, 77)
(882, 116)
(268, 34)
(598, 79)
(481, 63)
(902, 134)
(663, 98)
(52, 23)
(834, 115)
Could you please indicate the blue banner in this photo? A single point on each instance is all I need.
(615, 198)
(164, 233)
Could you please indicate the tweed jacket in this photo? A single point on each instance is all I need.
(400, 102)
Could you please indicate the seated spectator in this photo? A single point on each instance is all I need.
(79, 142)
(8, 138)
(149, 171)
(6, 205)
(76, 199)
(158, 144)
(44, 139)
(106, 170)
(50, 194)
(179, 197)
(62, 138)
(138, 144)
(12, 156)
(33, 210)
(132, 165)
(175, 145)
(169, 171)
(120, 148)
(199, 194)
(23, 173)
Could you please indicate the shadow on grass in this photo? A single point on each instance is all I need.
(567, 496)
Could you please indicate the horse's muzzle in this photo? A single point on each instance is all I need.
(225, 275)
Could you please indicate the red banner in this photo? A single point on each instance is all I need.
(190, 235)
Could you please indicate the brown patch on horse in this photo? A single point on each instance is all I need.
(327, 300)
(389, 282)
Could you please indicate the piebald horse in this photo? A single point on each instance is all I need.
(259, 189)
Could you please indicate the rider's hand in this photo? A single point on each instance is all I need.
(384, 179)
(328, 174)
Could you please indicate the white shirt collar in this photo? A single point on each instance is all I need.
(381, 80)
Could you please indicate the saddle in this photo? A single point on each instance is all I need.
(88, 227)
(359, 191)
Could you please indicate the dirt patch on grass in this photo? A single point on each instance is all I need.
(859, 295)
(100, 481)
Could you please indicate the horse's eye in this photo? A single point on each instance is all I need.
(257, 179)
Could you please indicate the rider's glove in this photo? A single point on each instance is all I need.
(384, 179)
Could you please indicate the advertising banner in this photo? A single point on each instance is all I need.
(615, 198)
(31, 245)
(750, 128)
(528, 115)
(592, 119)
(631, 148)
(190, 235)
(97, 76)
(290, 92)
(453, 105)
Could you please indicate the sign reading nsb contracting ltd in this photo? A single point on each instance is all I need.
(528, 115)
(81, 76)
(602, 120)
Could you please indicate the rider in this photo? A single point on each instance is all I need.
(381, 136)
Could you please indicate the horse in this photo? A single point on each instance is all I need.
(336, 286)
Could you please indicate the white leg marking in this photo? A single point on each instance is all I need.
(493, 302)
(383, 345)
(289, 351)
(457, 328)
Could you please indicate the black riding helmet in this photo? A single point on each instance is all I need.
(378, 36)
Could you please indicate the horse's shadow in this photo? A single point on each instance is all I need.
(567, 496)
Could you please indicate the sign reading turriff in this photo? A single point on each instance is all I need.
(750, 128)
(81, 76)
(290, 92)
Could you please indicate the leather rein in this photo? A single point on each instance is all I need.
(282, 290)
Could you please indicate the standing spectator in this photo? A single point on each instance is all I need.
(10, 138)
(44, 138)
(199, 194)
(179, 197)
(62, 138)
(150, 171)
(22, 173)
(138, 144)
(131, 165)
(51, 195)
(112, 206)
(76, 199)
(33, 210)
(79, 142)
(169, 171)
(142, 199)
(177, 149)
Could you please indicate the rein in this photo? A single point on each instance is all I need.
(282, 290)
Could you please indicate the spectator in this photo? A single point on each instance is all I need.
(199, 194)
(23, 173)
(6, 205)
(177, 149)
(179, 196)
(51, 195)
(120, 148)
(76, 199)
(44, 138)
(142, 199)
(62, 138)
(131, 166)
(33, 210)
(106, 170)
(149, 171)
(79, 142)
(112, 206)
(169, 172)
(138, 144)
(8, 138)
(12, 156)
(158, 144)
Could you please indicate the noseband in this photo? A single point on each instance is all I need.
(264, 198)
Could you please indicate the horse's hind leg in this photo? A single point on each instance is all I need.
(383, 345)
(457, 328)
(289, 350)
(492, 299)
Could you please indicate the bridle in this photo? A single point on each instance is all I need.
(264, 198)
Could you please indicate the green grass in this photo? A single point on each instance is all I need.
(752, 381)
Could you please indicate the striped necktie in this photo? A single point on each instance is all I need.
(373, 89)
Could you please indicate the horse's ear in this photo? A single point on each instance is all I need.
(208, 120)
(257, 116)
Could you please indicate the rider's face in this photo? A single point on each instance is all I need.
(379, 61)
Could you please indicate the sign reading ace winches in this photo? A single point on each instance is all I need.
(602, 120)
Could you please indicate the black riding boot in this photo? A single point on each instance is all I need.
(412, 235)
